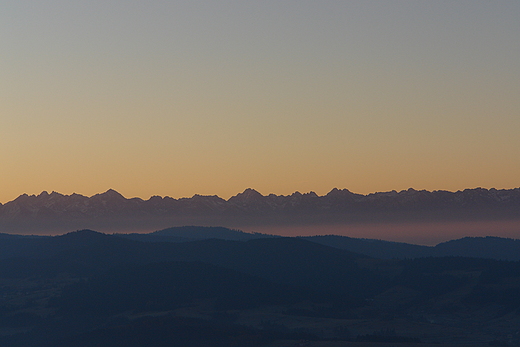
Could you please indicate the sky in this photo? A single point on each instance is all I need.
(211, 97)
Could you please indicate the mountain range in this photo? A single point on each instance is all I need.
(111, 211)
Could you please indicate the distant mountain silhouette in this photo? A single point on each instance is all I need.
(110, 211)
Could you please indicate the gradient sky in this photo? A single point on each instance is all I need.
(179, 98)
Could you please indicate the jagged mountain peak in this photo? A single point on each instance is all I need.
(21, 197)
(251, 191)
(339, 192)
(55, 196)
(204, 197)
(110, 194)
(248, 194)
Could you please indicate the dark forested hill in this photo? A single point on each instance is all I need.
(87, 288)
(478, 247)
(374, 248)
(192, 233)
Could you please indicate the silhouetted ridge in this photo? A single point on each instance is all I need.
(109, 194)
(201, 232)
(82, 238)
(246, 196)
(374, 248)
(482, 247)
(85, 234)
(192, 233)
(476, 247)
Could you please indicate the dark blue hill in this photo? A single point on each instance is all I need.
(193, 233)
(374, 248)
(481, 247)
(476, 247)
(281, 260)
